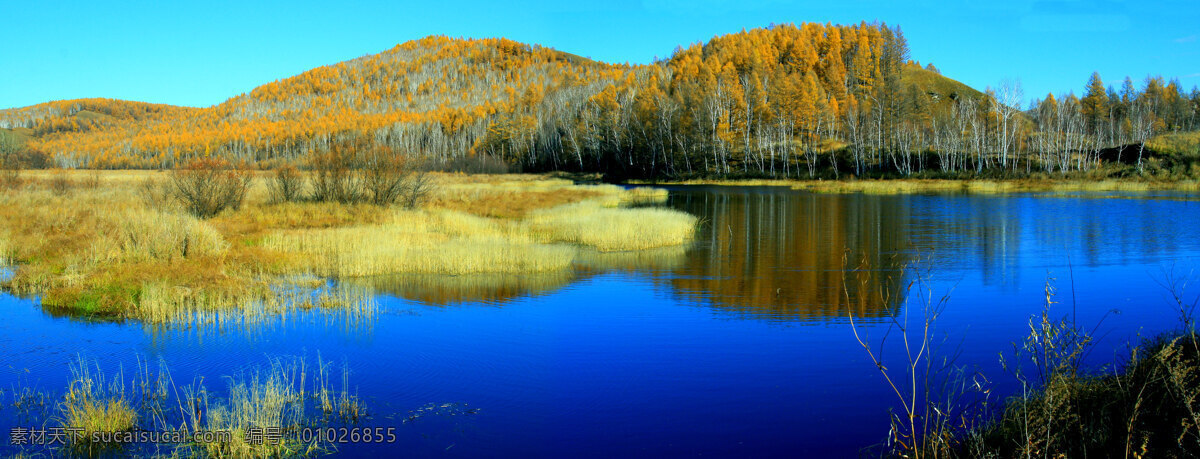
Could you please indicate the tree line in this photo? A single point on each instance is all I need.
(794, 101)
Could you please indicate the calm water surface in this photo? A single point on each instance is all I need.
(737, 345)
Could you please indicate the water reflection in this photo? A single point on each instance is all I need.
(481, 288)
(780, 254)
(783, 254)
(792, 255)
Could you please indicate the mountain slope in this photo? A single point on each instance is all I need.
(535, 106)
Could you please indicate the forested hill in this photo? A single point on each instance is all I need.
(784, 101)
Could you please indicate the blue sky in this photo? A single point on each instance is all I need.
(201, 53)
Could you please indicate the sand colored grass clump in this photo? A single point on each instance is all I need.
(100, 413)
(420, 242)
(94, 405)
(449, 242)
(613, 229)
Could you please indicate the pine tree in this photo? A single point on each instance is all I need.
(1094, 104)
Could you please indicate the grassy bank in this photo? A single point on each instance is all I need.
(111, 244)
(1150, 408)
(904, 186)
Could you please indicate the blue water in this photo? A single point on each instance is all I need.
(739, 346)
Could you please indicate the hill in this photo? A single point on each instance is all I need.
(436, 81)
(938, 87)
(457, 97)
(769, 101)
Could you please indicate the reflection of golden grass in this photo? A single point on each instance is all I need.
(436, 289)
(117, 249)
(662, 258)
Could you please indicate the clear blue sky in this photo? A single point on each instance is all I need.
(201, 53)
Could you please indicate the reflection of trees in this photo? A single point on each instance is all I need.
(796, 254)
(788, 254)
(663, 258)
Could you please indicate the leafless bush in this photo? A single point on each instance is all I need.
(481, 163)
(418, 187)
(156, 194)
(355, 171)
(10, 172)
(287, 185)
(384, 175)
(207, 186)
(59, 182)
(335, 177)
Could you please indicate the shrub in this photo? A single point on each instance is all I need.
(59, 181)
(334, 175)
(417, 188)
(208, 186)
(354, 171)
(384, 175)
(156, 194)
(10, 172)
(287, 185)
(481, 163)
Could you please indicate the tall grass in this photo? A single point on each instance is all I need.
(1148, 407)
(140, 235)
(262, 399)
(280, 397)
(613, 229)
(455, 243)
(166, 304)
(94, 405)
(6, 250)
(126, 248)
(419, 242)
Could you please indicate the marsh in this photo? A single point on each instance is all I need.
(735, 343)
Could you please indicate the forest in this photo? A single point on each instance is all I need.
(787, 101)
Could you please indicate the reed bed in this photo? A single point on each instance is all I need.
(117, 245)
(282, 396)
(613, 229)
(6, 250)
(446, 242)
(165, 304)
(422, 242)
(94, 405)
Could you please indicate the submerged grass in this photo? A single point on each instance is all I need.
(93, 406)
(258, 413)
(1150, 409)
(120, 248)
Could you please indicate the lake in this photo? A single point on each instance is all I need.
(740, 344)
